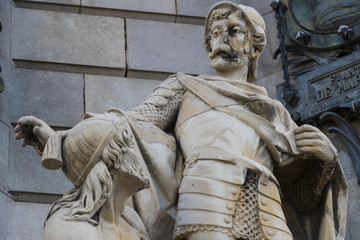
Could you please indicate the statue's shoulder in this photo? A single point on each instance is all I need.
(172, 82)
(58, 228)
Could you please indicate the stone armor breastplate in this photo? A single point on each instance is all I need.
(214, 195)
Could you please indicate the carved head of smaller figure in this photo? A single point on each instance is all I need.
(107, 138)
(99, 157)
(234, 37)
(98, 137)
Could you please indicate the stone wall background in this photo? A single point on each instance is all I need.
(61, 58)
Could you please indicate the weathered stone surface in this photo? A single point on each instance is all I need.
(65, 2)
(270, 82)
(268, 65)
(5, 15)
(263, 7)
(27, 175)
(55, 97)
(200, 8)
(166, 47)
(103, 93)
(354, 209)
(153, 16)
(347, 234)
(26, 220)
(196, 8)
(4, 155)
(5, 96)
(347, 163)
(157, 6)
(4, 215)
(57, 37)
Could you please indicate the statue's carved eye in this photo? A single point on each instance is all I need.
(234, 31)
(215, 33)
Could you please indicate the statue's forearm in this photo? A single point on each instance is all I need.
(308, 189)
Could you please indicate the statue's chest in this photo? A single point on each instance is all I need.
(218, 131)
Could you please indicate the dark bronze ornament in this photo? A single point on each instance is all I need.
(303, 37)
(289, 93)
(346, 32)
(329, 87)
(324, 61)
(324, 71)
(348, 135)
(321, 21)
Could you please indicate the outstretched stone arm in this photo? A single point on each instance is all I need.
(162, 106)
(34, 131)
(308, 189)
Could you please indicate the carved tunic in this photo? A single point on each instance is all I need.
(225, 157)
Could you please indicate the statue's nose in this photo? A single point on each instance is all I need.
(224, 38)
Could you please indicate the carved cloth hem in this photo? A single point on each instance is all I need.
(246, 222)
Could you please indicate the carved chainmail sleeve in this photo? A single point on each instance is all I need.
(162, 106)
(308, 189)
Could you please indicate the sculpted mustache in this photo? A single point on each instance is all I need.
(223, 48)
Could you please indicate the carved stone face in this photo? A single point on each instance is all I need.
(230, 43)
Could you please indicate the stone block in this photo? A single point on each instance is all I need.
(5, 96)
(200, 8)
(26, 173)
(263, 6)
(111, 12)
(270, 82)
(268, 65)
(196, 8)
(67, 38)
(55, 97)
(156, 6)
(347, 233)
(64, 2)
(4, 156)
(346, 161)
(166, 47)
(26, 220)
(354, 209)
(103, 93)
(5, 15)
(3, 215)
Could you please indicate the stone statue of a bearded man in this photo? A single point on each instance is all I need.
(238, 147)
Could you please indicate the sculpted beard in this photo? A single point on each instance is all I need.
(224, 57)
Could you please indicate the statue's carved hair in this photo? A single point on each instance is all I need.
(223, 13)
(84, 202)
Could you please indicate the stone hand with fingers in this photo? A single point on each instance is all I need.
(310, 140)
(34, 131)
